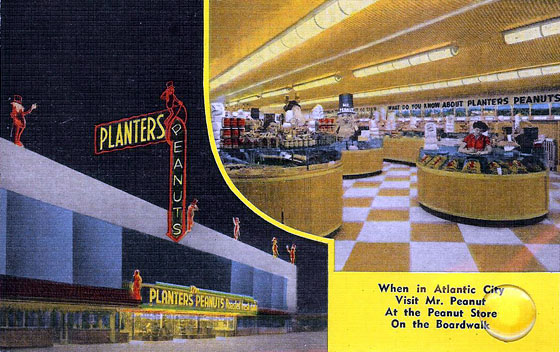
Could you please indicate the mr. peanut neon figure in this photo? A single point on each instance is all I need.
(190, 214)
(274, 247)
(236, 228)
(18, 116)
(292, 253)
(136, 285)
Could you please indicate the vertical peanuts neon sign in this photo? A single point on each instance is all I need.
(176, 136)
(176, 215)
(142, 130)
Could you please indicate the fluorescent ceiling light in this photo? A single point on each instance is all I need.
(530, 72)
(330, 15)
(443, 53)
(547, 70)
(532, 31)
(318, 82)
(438, 85)
(248, 99)
(504, 76)
(417, 59)
(551, 27)
(275, 92)
(321, 100)
(385, 67)
(405, 89)
(403, 63)
(292, 39)
(368, 94)
(351, 6)
(471, 80)
(325, 16)
(373, 43)
(367, 71)
(308, 29)
(273, 106)
(275, 48)
(455, 83)
(488, 78)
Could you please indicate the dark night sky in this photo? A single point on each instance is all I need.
(88, 62)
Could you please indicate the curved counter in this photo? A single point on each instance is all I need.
(307, 199)
(404, 149)
(360, 163)
(491, 198)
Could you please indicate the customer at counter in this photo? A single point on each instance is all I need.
(476, 142)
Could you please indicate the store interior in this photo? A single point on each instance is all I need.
(421, 136)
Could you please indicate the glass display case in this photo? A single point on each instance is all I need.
(498, 189)
(498, 162)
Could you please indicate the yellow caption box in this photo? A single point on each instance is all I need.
(358, 319)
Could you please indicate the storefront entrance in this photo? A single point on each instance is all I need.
(161, 326)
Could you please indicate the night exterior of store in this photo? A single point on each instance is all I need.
(65, 272)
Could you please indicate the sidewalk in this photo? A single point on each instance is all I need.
(305, 341)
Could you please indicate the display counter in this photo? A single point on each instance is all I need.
(403, 149)
(361, 163)
(307, 198)
(490, 189)
(361, 158)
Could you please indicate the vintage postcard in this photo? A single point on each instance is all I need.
(320, 175)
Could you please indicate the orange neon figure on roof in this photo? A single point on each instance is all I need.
(236, 228)
(190, 214)
(292, 252)
(274, 247)
(136, 285)
(18, 116)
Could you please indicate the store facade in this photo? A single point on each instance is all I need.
(40, 313)
(65, 269)
(173, 311)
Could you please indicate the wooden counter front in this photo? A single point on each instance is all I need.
(403, 149)
(362, 162)
(309, 200)
(484, 197)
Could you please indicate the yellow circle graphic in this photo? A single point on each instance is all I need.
(509, 311)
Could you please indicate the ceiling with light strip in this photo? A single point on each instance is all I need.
(393, 47)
